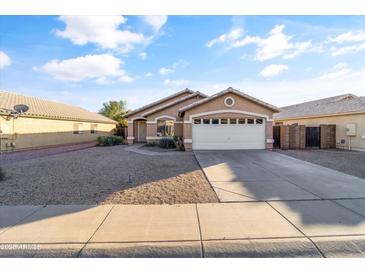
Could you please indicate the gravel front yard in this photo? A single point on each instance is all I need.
(350, 162)
(101, 175)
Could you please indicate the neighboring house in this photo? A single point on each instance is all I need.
(346, 111)
(227, 120)
(47, 123)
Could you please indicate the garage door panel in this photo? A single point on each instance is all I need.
(229, 136)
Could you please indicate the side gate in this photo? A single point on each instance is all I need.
(276, 136)
(313, 137)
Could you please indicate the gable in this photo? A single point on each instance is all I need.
(138, 112)
(217, 104)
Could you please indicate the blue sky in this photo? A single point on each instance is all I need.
(89, 60)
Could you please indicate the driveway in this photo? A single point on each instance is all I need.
(259, 175)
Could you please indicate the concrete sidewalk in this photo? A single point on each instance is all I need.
(320, 228)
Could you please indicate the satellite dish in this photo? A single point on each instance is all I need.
(21, 108)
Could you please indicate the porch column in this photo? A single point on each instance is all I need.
(269, 135)
(130, 135)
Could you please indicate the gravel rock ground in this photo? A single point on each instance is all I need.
(349, 162)
(100, 175)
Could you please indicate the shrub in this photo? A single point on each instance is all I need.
(166, 142)
(110, 140)
(2, 175)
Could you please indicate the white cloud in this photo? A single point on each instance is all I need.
(148, 74)
(338, 71)
(97, 67)
(276, 44)
(168, 70)
(348, 49)
(175, 83)
(231, 36)
(155, 21)
(101, 30)
(349, 37)
(143, 55)
(126, 79)
(4, 60)
(273, 70)
(165, 71)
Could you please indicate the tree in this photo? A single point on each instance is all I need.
(115, 110)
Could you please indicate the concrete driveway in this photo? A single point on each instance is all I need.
(259, 175)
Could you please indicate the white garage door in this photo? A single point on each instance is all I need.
(245, 134)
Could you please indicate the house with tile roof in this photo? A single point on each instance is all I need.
(346, 111)
(47, 123)
(229, 119)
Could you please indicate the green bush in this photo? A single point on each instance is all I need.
(110, 140)
(166, 142)
(2, 175)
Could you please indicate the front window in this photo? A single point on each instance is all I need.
(250, 121)
(224, 121)
(215, 121)
(77, 128)
(93, 128)
(206, 121)
(165, 128)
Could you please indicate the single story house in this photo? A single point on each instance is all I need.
(47, 123)
(346, 111)
(228, 120)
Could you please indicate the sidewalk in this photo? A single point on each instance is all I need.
(248, 229)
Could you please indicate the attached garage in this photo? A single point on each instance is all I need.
(226, 121)
(228, 133)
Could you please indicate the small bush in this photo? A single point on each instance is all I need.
(110, 140)
(166, 143)
(2, 175)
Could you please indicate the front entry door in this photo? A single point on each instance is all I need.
(142, 131)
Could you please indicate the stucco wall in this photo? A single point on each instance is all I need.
(357, 142)
(138, 114)
(171, 111)
(32, 133)
(217, 104)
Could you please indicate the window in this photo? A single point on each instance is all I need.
(259, 121)
(224, 121)
(197, 121)
(229, 101)
(233, 121)
(93, 128)
(242, 121)
(250, 121)
(77, 128)
(215, 121)
(206, 121)
(165, 127)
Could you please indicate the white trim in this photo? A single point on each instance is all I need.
(227, 98)
(153, 122)
(130, 138)
(137, 118)
(165, 117)
(228, 111)
(188, 141)
(153, 138)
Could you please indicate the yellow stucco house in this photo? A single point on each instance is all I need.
(47, 123)
(346, 111)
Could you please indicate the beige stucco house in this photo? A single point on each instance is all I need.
(47, 123)
(346, 111)
(229, 119)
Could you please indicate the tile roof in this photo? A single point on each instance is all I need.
(181, 99)
(159, 101)
(237, 92)
(344, 103)
(49, 109)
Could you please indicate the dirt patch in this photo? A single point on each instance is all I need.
(349, 162)
(101, 175)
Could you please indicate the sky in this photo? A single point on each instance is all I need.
(89, 60)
